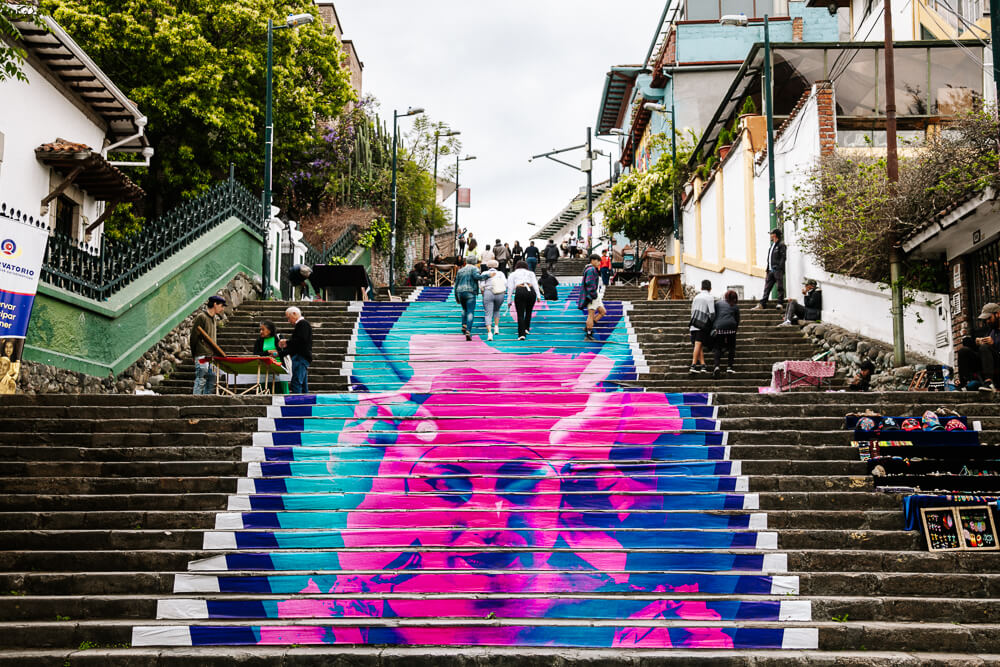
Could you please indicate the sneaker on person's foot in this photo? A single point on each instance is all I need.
(693, 370)
(758, 307)
(496, 329)
(779, 306)
(489, 334)
(786, 323)
(987, 386)
(589, 335)
(700, 368)
(730, 371)
(468, 336)
(716, 372)
(520, 337)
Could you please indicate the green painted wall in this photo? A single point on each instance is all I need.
(106, 337)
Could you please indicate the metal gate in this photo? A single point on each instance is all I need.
(984, 277)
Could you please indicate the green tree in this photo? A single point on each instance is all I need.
(196, 68)
(11, 55)
(849, 214)
(639, 205)
(419, 142)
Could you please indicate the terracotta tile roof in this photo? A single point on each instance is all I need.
(98, 177)
(63, 146)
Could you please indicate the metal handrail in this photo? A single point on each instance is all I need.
(97, 272)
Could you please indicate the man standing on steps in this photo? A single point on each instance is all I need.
(775, 270)
(201, 351)
(531, 256)
(590, 298)
(299, 348)
(502, 255)
(551, 254)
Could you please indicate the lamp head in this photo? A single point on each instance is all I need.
(618, 132)
(653, 106)
(735, 19)
(832, 8)
(468, 157)
(295, 20)
(413, 111)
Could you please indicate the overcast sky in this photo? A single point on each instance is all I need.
(517, 78)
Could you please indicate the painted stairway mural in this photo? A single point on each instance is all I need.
(489, 494)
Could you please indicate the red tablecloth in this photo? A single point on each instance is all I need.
(787, 375)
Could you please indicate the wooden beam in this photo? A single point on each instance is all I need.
(109, 209)
(61, 188)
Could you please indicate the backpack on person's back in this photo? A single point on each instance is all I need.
(498, 283)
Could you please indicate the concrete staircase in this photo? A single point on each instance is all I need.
(132, 520)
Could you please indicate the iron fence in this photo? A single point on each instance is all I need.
(97, 272)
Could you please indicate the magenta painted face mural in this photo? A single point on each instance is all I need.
(478, 495)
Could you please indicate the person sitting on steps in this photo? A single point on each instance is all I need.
(811, 307)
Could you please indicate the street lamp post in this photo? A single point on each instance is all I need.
(437, 135)
(457, 162)
(392, 226)
(292, 21)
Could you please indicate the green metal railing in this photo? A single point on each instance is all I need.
(340, 248)
(98, 272)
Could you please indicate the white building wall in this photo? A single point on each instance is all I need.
(32, 114)
(870, 27)
(734, 237)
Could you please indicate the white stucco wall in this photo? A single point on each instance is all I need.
(32, 114)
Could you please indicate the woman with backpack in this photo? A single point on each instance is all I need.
(727, 321)
(494, 292)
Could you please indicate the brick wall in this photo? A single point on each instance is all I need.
(797, 26)
(827, 118)
(962, 321)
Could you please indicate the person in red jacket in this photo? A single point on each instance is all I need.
(605, 268)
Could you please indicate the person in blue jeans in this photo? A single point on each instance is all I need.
(466, 287)
(299, 348)
(531, 256)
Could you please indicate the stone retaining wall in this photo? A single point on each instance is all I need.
(146, 373)
(849, 349)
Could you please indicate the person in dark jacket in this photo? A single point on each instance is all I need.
(298, 276)
(970, 365)
(776, 255)
(551, 254)
(299, 348)
(863, 380)
(548, 283)
(724, 327)
(201, 351)
(531, 256)
(811, 307)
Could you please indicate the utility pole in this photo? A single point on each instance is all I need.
(892, 171)
(995, 29)
(590, 193)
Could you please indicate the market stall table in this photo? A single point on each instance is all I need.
(260, 373)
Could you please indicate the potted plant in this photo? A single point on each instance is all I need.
(754, 124)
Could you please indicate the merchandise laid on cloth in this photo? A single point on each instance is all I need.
(789, 375)
(937, 460)
(241, 376)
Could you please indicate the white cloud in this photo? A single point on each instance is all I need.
(516, 78)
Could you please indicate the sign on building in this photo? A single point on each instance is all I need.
(22, 250)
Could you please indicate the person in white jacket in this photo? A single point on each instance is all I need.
(494, 291)
(702, 316)
(523, 292)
